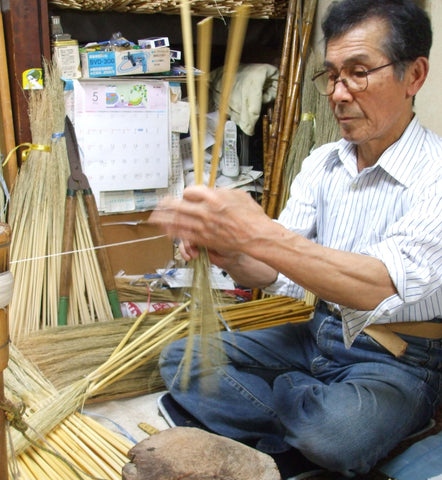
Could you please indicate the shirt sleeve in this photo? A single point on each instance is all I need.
(411, 250)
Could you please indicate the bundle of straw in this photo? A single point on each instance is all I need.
(203, 319)
(36, 216)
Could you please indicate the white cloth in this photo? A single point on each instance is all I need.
(391, 211)
(255, 84)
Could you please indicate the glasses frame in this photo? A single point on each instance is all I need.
(344, 81)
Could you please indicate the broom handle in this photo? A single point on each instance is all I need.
(66, 259)
(102, 255)
(5, 238)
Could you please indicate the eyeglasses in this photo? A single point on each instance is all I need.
(354, 77)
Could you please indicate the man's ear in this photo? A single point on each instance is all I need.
(416, 75)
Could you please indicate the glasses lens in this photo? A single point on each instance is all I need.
(324, 82)
(355, 78)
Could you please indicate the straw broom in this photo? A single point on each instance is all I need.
(203, 320)
(36, 216)
(65, 354)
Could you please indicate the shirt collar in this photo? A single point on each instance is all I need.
(399, 160)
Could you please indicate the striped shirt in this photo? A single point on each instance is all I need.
(391, 211)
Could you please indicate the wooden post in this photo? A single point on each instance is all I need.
(7, 137)
(27, 39)
(5, 238)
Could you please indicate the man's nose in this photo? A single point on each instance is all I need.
(341, 93)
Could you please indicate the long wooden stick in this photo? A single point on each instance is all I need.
(280, 94)
(290, 124)
(186, 26)
(6, 112)
(204, 42)
(233, 55)
(5, 238)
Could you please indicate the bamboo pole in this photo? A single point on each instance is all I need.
(7, 120)
(290, 124)
(280, 94)
(5, 238)
(204, 42)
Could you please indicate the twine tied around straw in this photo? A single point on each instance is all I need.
(25, 153)
(14, 416)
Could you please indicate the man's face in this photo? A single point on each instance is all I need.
(379, 113)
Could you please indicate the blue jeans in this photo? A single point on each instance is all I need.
(296, 385)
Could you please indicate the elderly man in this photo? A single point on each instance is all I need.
(363, 231)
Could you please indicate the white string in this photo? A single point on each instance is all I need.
(88, 249)
(6, 287)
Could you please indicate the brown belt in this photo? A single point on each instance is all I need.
(386, 333)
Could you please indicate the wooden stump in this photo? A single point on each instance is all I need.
(193, 454)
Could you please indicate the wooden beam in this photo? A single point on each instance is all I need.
(27, 39)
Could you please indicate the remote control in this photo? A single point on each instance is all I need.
(230, 161)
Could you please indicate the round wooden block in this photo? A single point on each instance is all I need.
(193, 454)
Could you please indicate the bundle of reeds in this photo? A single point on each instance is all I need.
(36, 216)
(285, 117)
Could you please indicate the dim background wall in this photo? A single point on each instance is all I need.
(429, 99)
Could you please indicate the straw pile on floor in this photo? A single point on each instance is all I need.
(215, 8)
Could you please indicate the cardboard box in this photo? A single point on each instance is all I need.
(140, 257)
(124, 62)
